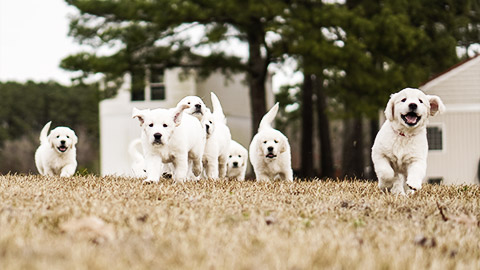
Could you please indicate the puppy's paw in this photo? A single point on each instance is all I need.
(149, 182)
(179, 181)
(410, 192)
(398, 191)
(197, 170)
(167, 175)
(414, 185)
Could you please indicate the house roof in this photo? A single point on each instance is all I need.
(450, 72)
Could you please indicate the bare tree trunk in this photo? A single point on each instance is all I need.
(353, 158)
(257, 71)
(373, 133)
(326, 156)
(307, 127)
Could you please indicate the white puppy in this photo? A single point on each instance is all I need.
(170, 136)
(237, 161)
(270, 151)
(138, 161)
(218, 141)
(400, 150)
(196, 107)
(57, 154)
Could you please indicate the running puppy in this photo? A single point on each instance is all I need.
(195, 108)
(138, 161)
(237, 161)
(57, 154)
(400, 150)
(218, 141)
(170, 136)
(270, 151)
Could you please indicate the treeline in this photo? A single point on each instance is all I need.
(26, 107)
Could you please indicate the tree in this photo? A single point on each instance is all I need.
(302, 38)
(140, 26)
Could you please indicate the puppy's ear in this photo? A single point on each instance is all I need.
(51, 140)
(390, 109)
(140, 114)
(74, 138)
(283, 146)
(178, 113)
(436, 105)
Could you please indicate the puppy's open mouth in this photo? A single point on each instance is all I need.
(198, 111)
(62, 148)
(411, 118)
(271, 155)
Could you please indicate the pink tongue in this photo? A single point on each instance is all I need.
(411, 119)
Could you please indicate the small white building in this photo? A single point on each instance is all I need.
(118, 129)
(454, 137)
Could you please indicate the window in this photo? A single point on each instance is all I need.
(435, 181)
(435, 137)
(152, 89)
(157, 84)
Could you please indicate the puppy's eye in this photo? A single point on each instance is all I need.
(165, 125)
(265, 142)
(421, 101)
(275, 141)
(403, 100)
(68, 137)
(239, 155)
(210, 122)
(188, 103)
(151, 125)
(58, 136)
(230, 156)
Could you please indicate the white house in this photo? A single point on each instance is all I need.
(118, 129)
(454, 137)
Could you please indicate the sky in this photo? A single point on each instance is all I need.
(33, 40)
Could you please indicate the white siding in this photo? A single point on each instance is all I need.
(458, 162)
(461, 85)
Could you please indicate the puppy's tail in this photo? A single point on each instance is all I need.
(44, 133)
(133, 151)
(217, 107)
(268, 118)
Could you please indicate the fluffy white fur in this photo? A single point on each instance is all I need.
(57, 154)
(170, 136)
(195, 106)
(270, 151)
(400, 150)
(138, 161)
(237, 161)
(218, 141)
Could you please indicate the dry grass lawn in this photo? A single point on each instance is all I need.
(118, 223)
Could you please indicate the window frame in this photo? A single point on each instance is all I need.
(441, 126)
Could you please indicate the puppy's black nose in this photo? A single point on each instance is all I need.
(412, 106)
(198, 106)
(235, 164)
(157, 136)
(62, 142)
(270, 149)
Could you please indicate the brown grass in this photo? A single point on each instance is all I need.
(118, 223)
